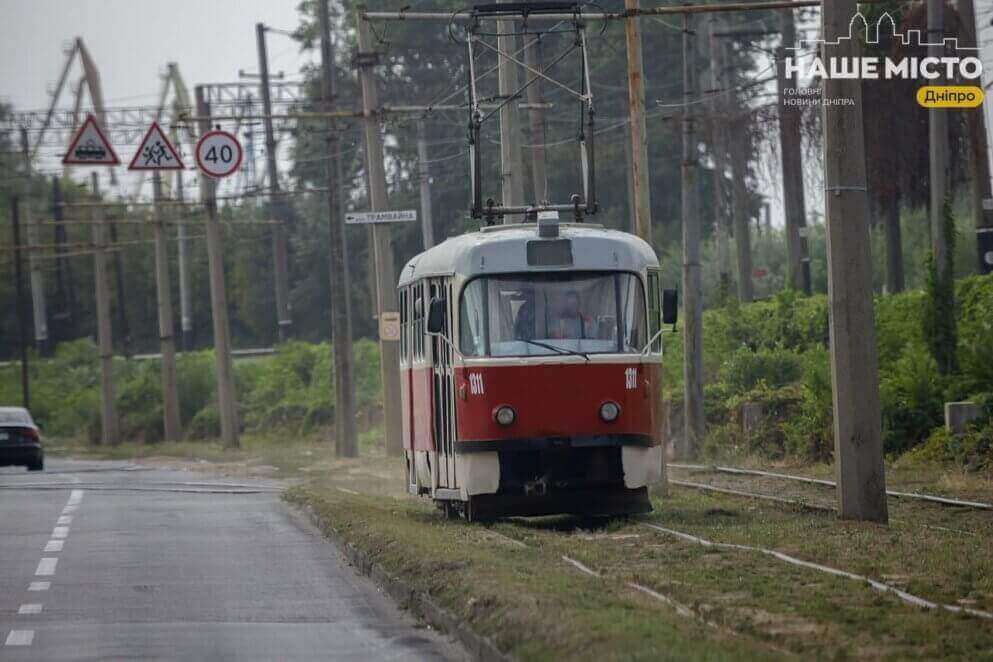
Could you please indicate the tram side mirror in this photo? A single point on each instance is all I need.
(436, 315)
(670, 307)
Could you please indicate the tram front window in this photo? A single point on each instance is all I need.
(548, 314)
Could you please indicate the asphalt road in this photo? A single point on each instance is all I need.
(105, 560)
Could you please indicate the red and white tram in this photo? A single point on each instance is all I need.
(531, 365)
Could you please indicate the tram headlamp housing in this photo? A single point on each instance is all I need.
(609, 411)
(504, 415)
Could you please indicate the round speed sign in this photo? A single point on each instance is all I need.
(218, 153)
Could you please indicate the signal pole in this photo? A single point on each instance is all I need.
(382, 248)
(511, 165)
(183, 263)
(109, 430)
(639, 133)
(226, 399)
(858, 448)
(792, 166)
(423, 171)
(167, 341)
(718, 131)
(692, 291)
(37, 281)
(346, 440)
(276, 202)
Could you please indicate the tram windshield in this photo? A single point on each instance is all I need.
(542, 314)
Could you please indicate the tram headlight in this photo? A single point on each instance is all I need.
(609, 411)
(504, 415)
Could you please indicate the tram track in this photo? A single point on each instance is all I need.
(946, 501)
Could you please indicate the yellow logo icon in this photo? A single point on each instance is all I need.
(950, 96)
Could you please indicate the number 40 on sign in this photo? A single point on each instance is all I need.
(218, 154)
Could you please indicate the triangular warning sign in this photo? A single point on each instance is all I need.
(90, 147)
(156, 152)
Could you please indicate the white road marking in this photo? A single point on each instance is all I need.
(30, 608)
(69, 509)
(60, 532)
(20, 638)
(54, 545)
(75, 497)
(40, 586)
(65, 519)
(46, 566)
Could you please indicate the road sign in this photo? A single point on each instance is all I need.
(156, 152)
(90, 147)
(218, 154)
(389, 326)
(365, 217)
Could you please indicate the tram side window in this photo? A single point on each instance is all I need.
(404, 326)
(654, 310)
(418, 301)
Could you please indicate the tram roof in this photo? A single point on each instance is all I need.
(503, 249)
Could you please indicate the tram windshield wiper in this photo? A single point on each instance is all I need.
(557, 350)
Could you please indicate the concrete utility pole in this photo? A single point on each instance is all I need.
(183, 263)
(536, 102)
(346, 439)
(718, 129)
(276, 203)
(791, 159)
(938, 145)
(858, 447)
(226, 398)
(692, 290)
(382, 248)
(109, 430)
(511, 164)
(739, 196)
(424, 174)
(38, 309)
(979, 165)
(639, 133)
(167, 341)
(22, 319)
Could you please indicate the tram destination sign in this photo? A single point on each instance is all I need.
(367, 217)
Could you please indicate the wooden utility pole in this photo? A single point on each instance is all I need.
(536, 102)
(109, 426)
(226, 398)
(424, 174)
(978, 158)
(858, 448)
(737, 138)
(122, 310)
(639, 133)
(938, 145)
(22, 318)
(511, 164)
(183, 264)
(277, 204)
(382, 247)
(718, 130)
(693, 417)
(38, 309)
(346, 439)
(791, 160)
(167, 341)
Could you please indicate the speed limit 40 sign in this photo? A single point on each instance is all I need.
(218, 153)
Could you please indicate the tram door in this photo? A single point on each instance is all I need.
(443, 382)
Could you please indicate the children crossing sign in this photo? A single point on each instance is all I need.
(90, 147)
(156, 152)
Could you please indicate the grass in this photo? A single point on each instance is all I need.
(535, 606)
